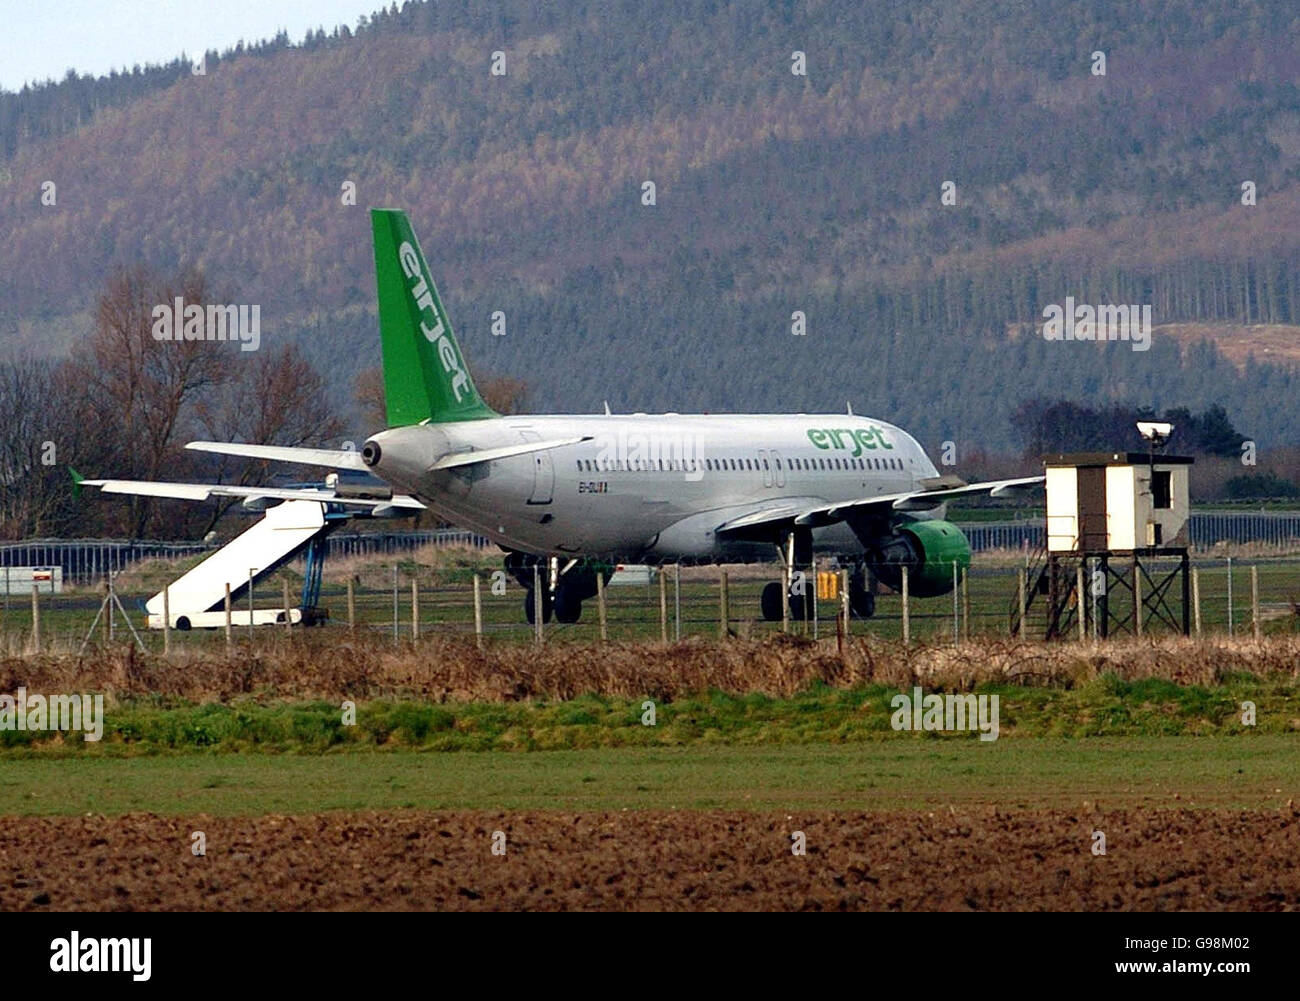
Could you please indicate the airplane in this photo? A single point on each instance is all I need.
(568, 496)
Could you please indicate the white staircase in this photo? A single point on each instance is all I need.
(197, 600)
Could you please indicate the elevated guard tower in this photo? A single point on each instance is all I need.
(1116, 554)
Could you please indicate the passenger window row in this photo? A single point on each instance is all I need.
(734, 465)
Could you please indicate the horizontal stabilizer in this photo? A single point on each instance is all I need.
(331, 458)
(457, 459)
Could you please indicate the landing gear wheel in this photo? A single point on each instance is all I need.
(862, 604)
(530, 607)
(568, 606)
(796, 607)
(770, 602)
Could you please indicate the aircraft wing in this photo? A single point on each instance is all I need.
(333, 458)
(202, 491)
(912, 500)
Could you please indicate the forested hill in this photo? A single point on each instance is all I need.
(774, 193)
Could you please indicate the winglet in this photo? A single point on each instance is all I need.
(77, 480)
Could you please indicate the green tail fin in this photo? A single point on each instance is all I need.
(77, 479)
(425, 376)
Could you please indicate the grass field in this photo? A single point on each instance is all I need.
(1105, 707)
(1262, 772)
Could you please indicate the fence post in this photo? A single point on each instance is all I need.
(1254, 601)
(1137, 596)
(724, 608)
(841, 614)
(786, 583)
(1080, 603)
(230, 636)
(352, 607)
(663, 606)
(600, 606)
(538, 604)
(1230, 596)
(810, 607)
(36, 618)
(1196, 598)
(677, 602)
(965, 604)
(907, 608)
(955, 607)
(478, 612)
(415, 609)
(1092, 594)
(167, 621)
(288, 619)
(845, 609)
(1021, 595)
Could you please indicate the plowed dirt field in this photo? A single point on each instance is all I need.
(977, 859)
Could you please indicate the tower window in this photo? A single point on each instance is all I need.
(1162, 489)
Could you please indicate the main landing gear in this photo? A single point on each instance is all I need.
(862, 599)
(564, 586)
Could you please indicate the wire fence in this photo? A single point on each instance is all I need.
(85, 561)
(407, 602)
(1205, 530)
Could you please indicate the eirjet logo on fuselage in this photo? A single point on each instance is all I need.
(859, 438)
(422, 292)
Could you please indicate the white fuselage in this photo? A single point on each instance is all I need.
(650, 486)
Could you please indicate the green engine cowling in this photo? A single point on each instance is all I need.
(928, 549)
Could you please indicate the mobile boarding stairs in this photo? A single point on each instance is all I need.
(197, 600)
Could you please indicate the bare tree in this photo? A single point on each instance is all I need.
(503, 393)
(275, 397)
(140, 387)
(28, 448)
(368, 392)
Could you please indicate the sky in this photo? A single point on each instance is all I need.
(40, 39)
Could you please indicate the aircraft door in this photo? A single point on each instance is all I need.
(543, 471)
(778, 469)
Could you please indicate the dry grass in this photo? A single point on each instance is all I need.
(376, 571)
(450, 669)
